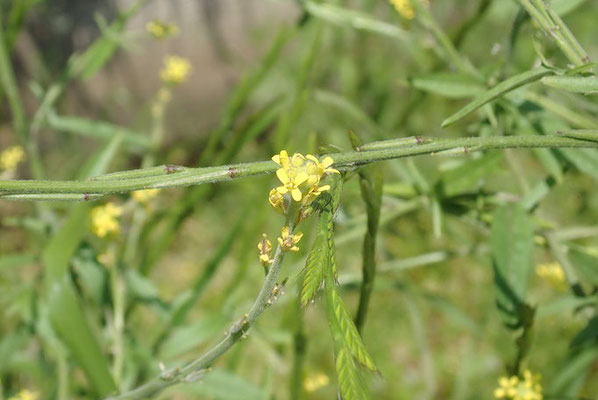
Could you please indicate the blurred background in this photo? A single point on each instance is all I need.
(266, 75)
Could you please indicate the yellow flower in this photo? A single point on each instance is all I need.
(104, 219)
(161, 30)
(300, 176)
(265, 247)
(11, 157)
(553, 273)
(144, 196)
(176, 69)
(513, 388)
(315, 382)
(289, 242)
(25, 394)
(404, 7)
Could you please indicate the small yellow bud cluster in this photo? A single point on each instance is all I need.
(514, 388)
(300, 176)
(553, 273)
(144, 197)
(176, 69)
(104, 219)
(265, 248)
(11, 157)
(161, 30)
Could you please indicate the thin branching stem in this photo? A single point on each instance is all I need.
(86, 190)
(196, 369)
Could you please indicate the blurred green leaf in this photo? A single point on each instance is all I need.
(512, 255)
(451, 85)
(585, 265)
(97, 129)
(70, 324)
(573, 368)
(219, 384)
(585, 160)
(184, 339)
(497, 91)
(467, 177)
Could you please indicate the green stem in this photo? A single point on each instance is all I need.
(195, 369)
(344, 161)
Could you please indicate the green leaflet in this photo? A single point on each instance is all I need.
(450, 85)
(512, 254)
(349, 381)
(583, 134)
(497, 91)
(317, 263)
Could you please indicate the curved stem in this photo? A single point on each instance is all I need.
(168, 176)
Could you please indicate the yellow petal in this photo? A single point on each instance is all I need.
(300, 178)
(296, 193)
(327, 162)
(285, 232)
(324, 188)
(276, 159)
(297, 237)
(280, 242)
(283, 176)
(312, 158)
(282, 189)
(332, 171)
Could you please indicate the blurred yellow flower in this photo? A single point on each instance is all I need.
(315, 382)
(161, 30)
(289, 242)
(176, 69)
(11, 157)
(25, 394)
(404, 8)
(104, 219)
(553, 273)
(145, 196)
(514, 388)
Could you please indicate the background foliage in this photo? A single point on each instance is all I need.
(487, 263)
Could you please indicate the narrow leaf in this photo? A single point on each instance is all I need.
(447, 85)
(497, 91)
(315, 266)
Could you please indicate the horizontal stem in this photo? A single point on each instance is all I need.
(343, 161)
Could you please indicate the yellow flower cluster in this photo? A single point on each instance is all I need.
(553, 273)
(404, 8)
(161, 30)
(104, 219)
(176, 69)
(25, 394)
(300, 176)
(11, 157)
(144, 196)
(514, 388)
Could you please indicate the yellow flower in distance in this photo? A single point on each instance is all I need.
(11, 157)
(145, 196)
(289, 242)
(161, 30)
(404, 8)
(553, 273)
(25, 394)
(104, 219)
(315, 382)
(176, 69)
(514, 388)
